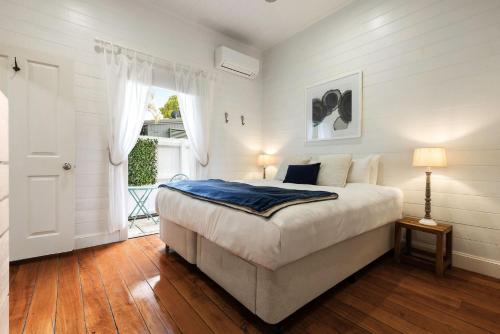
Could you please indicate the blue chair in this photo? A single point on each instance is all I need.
(179, 177)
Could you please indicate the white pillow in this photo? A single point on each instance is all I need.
(364, 170)
(334, 169)
(292, 160)
(374, 168)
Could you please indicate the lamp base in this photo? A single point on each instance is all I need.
(425, 221)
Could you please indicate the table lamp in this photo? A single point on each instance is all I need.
(429, 157)
(264, 160)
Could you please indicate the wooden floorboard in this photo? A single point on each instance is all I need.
(42, 310)
(204, 311)
(355, 316)
(156, 317)
(429, 318)
(472, 323)
(182, 279)
(379, 299)
(127, 317)
(98, 315)
(377, 312)
(480, 312)
(69, 314)
(13, 269)
(184, 316)
(21, 292)
(136, 287)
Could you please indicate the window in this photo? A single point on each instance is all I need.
(163, 118)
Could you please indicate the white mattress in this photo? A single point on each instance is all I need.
(293, 232)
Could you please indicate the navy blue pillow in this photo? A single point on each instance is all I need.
(302, 174)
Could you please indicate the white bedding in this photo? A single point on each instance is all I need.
(291, 233)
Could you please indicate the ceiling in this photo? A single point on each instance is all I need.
(254, 22)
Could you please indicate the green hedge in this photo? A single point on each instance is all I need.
(142, 167)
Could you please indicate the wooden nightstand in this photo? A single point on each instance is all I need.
(440, 260)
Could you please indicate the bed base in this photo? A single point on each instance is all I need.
(179, 239)
(274, 295)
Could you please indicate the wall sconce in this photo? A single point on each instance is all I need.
(226, 117)
(242, 120)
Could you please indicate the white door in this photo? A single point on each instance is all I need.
(42, 151)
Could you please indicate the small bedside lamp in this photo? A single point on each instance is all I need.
(429, 157)
(264, 160)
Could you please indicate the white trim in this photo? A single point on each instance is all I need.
(469, 262)
(124, 232)
(477, 264)
(96, 239)
(340, 76)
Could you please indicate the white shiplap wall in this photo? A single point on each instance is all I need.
(4, 212)
(68, 27)
(431, 77)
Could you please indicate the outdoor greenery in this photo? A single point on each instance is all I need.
(171, 108)
(142, 162)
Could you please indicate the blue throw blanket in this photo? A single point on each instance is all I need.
(258, 200)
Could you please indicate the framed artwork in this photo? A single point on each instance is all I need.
(334, 108)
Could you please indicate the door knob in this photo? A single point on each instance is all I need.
(67, 166)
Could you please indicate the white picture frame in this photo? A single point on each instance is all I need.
(334, 108)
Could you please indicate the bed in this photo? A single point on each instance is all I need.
(274, 266)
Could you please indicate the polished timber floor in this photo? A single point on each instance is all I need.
(135, 287)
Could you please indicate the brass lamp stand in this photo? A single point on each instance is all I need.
(429, 157)
(427, 220)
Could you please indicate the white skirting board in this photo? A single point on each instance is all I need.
(477, 264)
(96, 239)
(468, 262)
(4, 317)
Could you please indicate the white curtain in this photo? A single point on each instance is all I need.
(195, 95)
(128, 82)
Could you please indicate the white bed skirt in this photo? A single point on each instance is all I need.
(274, 295)
(182, 240)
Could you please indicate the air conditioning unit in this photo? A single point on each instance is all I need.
(235, 62)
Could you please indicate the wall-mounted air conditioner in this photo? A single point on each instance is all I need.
(235, 62)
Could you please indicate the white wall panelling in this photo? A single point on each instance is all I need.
(4, 207)
(431, 76)
(68, 28)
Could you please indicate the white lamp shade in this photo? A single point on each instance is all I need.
(265, 160)
(429, 157)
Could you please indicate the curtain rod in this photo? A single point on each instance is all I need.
(154, 58)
